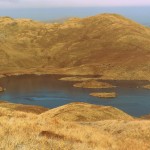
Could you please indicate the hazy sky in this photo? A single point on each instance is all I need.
(70, 3)
(138, 10)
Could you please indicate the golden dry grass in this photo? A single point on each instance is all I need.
(85, 112)
(20, 130)
(23, 108)
(107, 44)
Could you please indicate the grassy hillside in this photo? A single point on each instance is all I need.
(107, 44)
(85, 112)
(74, 126)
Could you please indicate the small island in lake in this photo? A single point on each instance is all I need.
(146, 86)
(104, 95)
(93, 84)
(2, 89)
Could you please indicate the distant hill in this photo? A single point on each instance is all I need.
(107, 44)
(59, 20)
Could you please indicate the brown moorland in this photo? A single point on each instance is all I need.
(74, 126)
(106, 44)
(23, 107)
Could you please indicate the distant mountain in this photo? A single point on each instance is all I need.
(107, 44)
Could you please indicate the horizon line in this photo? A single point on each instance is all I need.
(53, 7)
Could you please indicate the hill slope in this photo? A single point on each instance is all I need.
(85, 112)
(112, 128)
(106, 44)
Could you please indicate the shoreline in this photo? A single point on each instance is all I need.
(60, 76)
(75, 71)
(65, 75)
(37, 109)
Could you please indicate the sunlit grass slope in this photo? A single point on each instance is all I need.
(76, 126)
(106, 44)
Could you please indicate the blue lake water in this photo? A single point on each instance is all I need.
(49, 92)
